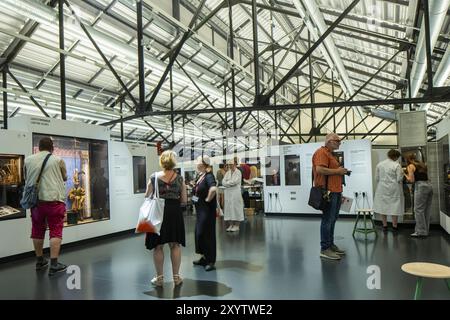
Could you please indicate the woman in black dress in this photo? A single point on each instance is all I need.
(204, 197)
(171, 188)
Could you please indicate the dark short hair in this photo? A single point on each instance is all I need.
(221, 166)
(46, 144)
(393, 154)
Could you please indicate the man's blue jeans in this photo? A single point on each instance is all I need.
(329, 218)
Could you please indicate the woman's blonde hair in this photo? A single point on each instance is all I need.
(168, 160)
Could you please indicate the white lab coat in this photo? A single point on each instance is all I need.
(389, 198)
(234, 204)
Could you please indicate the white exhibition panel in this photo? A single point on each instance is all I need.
(58, 127)
(294, 199)
(442, 129)
(15, 234)
(124, 204)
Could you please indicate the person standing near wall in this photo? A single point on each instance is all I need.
(389, 193)
(328, 174)
(417, 173)
(51, 207)
(234, 204)
(171, 188)
(204, 198)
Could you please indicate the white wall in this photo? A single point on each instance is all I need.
(294, 199)
(124, 204)
(443, 128)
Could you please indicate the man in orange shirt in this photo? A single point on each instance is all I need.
(328, 173)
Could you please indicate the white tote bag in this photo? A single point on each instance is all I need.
(151, 212)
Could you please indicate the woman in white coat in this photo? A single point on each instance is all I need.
(389, 193)
(234, 204)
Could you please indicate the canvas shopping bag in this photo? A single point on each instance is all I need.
(151, 213)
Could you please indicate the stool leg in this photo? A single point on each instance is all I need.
(365, 226)
(418, 292)
(356, 223)
(373, 224)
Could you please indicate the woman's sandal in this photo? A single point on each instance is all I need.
(177, 279)
(158, 281)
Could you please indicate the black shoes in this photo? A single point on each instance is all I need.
(42, 265)
(200, 262)
(59, 267)
(210, 267)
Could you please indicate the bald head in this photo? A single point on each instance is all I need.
(332, 141)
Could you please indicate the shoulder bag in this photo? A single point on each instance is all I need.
(30, 196)
(319, 197)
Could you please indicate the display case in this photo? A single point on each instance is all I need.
(11, 186)
(87, 186)
(272, 170)
(292, 170)
(139, 174)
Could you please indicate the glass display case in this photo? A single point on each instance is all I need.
(139, 174)
(272, 171)
(11, 186)
(87, 185)
(292, 169)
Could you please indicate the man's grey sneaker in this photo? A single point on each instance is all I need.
(329, 254)
(337, 250)
(42, 265)
(57, 269)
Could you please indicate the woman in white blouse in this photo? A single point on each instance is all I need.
(389, 193)
(234, 204)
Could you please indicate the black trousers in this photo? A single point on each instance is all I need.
(205, 232)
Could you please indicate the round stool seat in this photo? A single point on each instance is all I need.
(427, 270)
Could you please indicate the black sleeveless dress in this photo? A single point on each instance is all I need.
(172, 228)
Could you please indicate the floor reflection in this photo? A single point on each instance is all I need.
(190, 288)
(238, 264)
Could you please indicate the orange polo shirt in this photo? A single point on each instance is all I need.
(324, 158)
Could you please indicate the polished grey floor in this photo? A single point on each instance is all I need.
(270, 258)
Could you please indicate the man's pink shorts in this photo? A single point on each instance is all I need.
(48, 213)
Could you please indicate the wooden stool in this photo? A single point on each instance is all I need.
(365, 213)
(426, 270)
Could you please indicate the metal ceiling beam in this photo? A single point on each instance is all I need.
(173, 56)
(359, 123)
(360, 89)
(17, 44)
(140, 54)
(382, 132)
(156, 131)
(26, 91)
(435, 98)
(288, 75)
(62, 59)
(200, 90)
(5, 97)
(56, 78)
(111, 68)
(374, 127)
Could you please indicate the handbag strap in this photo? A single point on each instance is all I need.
(42, 169)
(156, 191)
